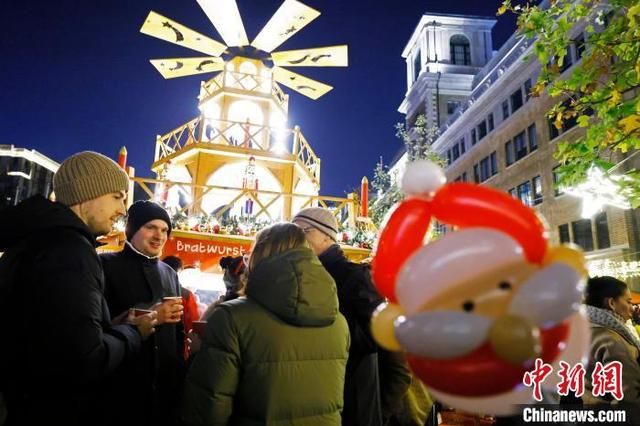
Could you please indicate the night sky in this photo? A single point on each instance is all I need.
(74, 75)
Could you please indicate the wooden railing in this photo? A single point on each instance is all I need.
(243, 135)
(256, 84)
(344, 209)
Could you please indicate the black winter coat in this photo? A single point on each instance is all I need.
(153, 381)
(58, 344)
(366, 399)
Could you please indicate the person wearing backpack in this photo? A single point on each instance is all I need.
(366, 400)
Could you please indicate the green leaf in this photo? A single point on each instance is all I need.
(583, 121)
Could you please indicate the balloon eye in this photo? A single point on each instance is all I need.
(468, 306)
(504, 285)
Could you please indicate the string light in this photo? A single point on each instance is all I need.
(597, 191)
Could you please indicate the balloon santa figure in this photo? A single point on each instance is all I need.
(474, 309)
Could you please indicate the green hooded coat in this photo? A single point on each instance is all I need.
(276, 357)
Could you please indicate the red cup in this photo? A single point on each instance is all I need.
(199, 327)
(139, 312)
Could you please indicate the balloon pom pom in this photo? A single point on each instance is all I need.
(422, 177)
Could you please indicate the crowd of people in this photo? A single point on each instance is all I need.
(110, 339)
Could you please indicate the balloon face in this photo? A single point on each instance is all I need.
(456, 260)
(478, 306)
(467, 205)
(402, 234)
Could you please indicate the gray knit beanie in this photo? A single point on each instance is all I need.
(321, 219)
(88, 175)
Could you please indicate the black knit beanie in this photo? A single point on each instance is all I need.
(142, 212)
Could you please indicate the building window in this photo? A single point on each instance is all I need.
(494, 163)
(580, 45)
(473, 137)
(460, 50)
(524, 193)
(553, 130)
(516, 100)
(563, 232)
(520, 147)
(482, 130)
(417, 65)
(536, 183)
(582, 234)
(505, 109)
(533, 138)
(462, 177)
(527, 89)
(485, 171)
(452, 107)
(602, 231)
(455, 152)
(486, 168)
(556, 178)
(513, 193)
(490, 121)
(449, 159)
(463, 147)
(508, 151)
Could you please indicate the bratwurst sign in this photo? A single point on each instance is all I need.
(205, 250)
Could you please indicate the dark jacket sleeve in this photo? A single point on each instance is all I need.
(395, 379)
(80, 338)
(364, 297)
(213, 377)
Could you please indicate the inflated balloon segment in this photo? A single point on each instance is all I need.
(475, 308)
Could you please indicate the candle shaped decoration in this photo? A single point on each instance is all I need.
(122, 158)
(364, 197)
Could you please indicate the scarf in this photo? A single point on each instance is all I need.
(609, 319)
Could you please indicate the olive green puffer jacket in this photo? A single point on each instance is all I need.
(276, 357)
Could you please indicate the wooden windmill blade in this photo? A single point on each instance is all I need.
(225, 17)
(180, 67)
(290, 18)
(166, 29)
(304, 85)
(328, 56)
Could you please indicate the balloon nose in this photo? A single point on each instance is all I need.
(515, 339)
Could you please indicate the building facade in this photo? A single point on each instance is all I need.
(500, 136)
(24, 173)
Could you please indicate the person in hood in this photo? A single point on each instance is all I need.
(59, 342)
(136, 278)
(278, 354)
(376, 380)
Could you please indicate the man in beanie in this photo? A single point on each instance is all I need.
(59, 343)
(366, 402)
(137, 278)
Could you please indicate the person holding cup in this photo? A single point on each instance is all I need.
(135, 278)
